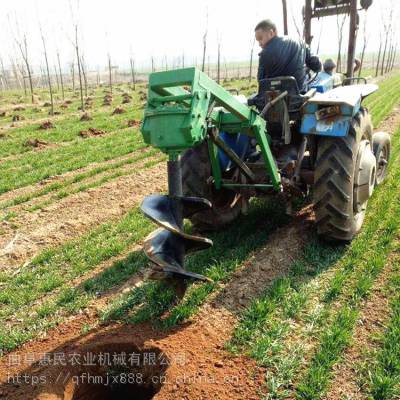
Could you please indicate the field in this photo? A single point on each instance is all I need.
(286, 317)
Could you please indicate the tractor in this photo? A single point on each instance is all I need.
(224, 150)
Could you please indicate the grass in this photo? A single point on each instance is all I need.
(53, 271)
(380, 368)
(381, 102)
(318, 301)
(65, 130)
(37, 166)
(267, 322)
(230, 250)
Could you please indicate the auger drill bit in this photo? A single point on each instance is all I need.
(166, 247)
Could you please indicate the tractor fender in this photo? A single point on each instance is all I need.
(342, 103)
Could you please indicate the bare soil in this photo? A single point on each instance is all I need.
(35, 143)
(32, 232)
(191, 362)
(90, 132)
(46, 125)
(190, 359)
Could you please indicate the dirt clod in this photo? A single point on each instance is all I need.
(35, 143)
(46, 125)
(91, 132)
(133, 123)
(119, 110)
(86, 117)
(17, 117)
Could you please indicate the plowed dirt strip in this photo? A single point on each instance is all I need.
(209, 372)
(75, 214)
(136, 160)
(8, 196)
(371, 322)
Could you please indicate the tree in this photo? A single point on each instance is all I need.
(57, 79)
(79, 66)
(110, 73)
(219, 62)
(83, 66)
(23, 48)
(340, 26)
(23, 75)
(132, 62)
(48, 71)
(387, 27)
(61, 76)
(4, 75)
(205, 44)
(379, 54)
(365, 43)
(285, 22)
(251, 60)
(73, 76)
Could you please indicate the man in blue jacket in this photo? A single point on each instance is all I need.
(282, 56)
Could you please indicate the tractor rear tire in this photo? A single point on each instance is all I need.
(338, 218)
(197, 181)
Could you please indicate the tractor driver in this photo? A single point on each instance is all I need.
(282, 56)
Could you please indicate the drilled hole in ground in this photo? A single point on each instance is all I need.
(117, 371)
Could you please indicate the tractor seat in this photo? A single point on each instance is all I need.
(272, 87)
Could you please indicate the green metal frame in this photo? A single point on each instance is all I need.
(175, 118)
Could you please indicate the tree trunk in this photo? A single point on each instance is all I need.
(3, 73)
(365, 42)
(219, 64)
(23, 47)
(79, 67)
(379, 58)
(73, 77)
(394, 56)
(251, 61)
(384, 53)
(61, 77)
(84, 76)
(48, 73)
(110, 74)
(340, 41)
(204, 51)
(133, 74)
(285, 23)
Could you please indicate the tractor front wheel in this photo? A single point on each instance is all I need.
(381, 147)
(197, 181)
(345, 173)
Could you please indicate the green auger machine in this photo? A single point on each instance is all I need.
(223, 151)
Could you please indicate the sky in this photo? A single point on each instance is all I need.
(161, 29)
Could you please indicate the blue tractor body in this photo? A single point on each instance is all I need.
(326, 111)
(330, 113)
